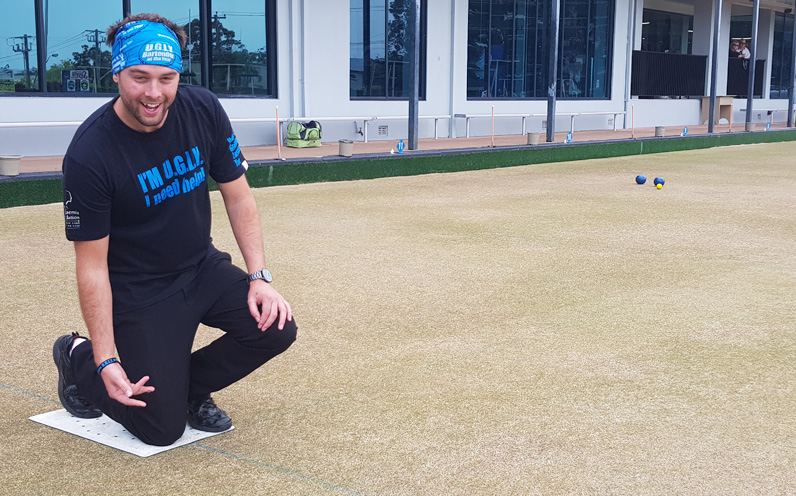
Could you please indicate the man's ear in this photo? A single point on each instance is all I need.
(116, 78)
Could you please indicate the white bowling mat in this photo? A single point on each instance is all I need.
(105, 431)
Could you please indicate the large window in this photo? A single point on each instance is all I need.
(76, 59)
(666, 32)
(18, 48)
(507, 49)
(380, 55)
(781, 56)
(242, 57)
(79, 60)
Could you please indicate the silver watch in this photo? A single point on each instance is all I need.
(261, 274)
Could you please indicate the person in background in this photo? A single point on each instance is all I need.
(743, 52)
(735, 50)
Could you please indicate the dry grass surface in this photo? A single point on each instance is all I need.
(551, 329)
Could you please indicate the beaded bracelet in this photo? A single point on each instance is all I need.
(106, 363)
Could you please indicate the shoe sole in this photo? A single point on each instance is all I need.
(61, 380)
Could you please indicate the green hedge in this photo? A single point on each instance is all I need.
(23, 192)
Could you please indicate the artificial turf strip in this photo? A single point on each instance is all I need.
(40, 192)
(15, 193)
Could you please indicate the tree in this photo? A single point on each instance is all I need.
(224, 41)
(54, 72)
(235, 69)
(397, 36)
(101, 71)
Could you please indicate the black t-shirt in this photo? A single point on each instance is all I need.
(148, 192)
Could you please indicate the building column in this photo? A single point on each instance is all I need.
(765, 46)
(703, 39)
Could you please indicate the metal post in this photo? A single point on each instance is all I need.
(41, 45)
(413, 16)
(631, 40)
(753, 56)
(552, 76)
(205, 43)
(451, 122)
(791, 83)
(714, 67)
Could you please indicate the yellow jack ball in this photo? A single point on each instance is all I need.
(660, 186)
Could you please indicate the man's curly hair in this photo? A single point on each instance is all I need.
(178, 30)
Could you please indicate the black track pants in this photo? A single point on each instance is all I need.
(157, 340)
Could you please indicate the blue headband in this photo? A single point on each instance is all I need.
(145, 42)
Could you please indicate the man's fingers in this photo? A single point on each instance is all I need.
(124, 400)
(285, 314)
(289, 311)
(254, 309)
(273, 313)
(140, 387)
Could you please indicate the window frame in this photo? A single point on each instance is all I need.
(366, 50)
(271, 39)
(540, 51)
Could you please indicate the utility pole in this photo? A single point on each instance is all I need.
(217, 33)
(95, 36)
(24, 48)
(217, 41)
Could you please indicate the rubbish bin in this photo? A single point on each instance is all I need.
(9, 165)
(533, 138)
(346, 148)
(660, 131)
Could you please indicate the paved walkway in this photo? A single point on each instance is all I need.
(272, 152)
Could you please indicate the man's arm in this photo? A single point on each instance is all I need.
(265, 303)
(96, 302)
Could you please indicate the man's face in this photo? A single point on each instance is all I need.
(145, 94)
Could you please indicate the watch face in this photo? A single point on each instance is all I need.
(266, 275)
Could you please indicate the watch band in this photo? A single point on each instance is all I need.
(263, 274)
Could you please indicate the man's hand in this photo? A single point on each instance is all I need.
(121, 389)
(266, 304)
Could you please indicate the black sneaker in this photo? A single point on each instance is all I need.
(70, 397)
(204, 415)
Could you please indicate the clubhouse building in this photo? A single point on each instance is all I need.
(346, 64)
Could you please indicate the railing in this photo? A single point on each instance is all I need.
(738, 77)
(571, 115)
(366, 120)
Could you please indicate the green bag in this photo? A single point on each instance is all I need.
(304, 134)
